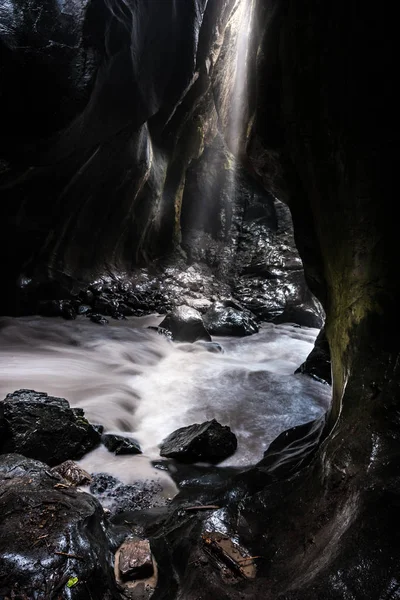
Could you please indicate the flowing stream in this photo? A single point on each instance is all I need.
(130, 379)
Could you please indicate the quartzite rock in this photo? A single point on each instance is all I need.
(44, 427)
(185, 325)
(208, 442)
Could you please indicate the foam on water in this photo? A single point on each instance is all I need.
(132, 380)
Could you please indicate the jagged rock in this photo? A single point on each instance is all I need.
(318, 362)
(208, 442)
(44, 427)
(72, 473)
(135, 560)
(120, 445)
(60, 533)
(136, 570)
(99, 319)
(185, 325)
(228, 320)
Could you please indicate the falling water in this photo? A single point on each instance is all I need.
(241, 27)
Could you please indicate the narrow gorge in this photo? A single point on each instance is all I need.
(199, 376)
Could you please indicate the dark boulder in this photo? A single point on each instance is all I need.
(60, 533)
(44, 427)
(229, 320)
(185, 325)
(303, 315)
(99, 319)
(318, 362)
(208, 442)
(120, 445)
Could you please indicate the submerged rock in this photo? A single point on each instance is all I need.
(99, 319)
(53, 541)
(208, 442)
(44, 427)
(229, 320)
(120, 445)
(185, 325)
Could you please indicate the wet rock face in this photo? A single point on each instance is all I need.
(60, 533)
(208, 442)
(44, 427)
(185, 325)
(227, 320)
(318, 362)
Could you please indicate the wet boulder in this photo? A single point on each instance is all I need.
(120, 444)
(229, 320)
(206, 442)
(61, 534)
(136, 569)
(186, 325)
(72, 473)
(44, 427)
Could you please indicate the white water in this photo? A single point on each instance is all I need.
(130, 379)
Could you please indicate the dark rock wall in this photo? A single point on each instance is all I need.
(120, 146)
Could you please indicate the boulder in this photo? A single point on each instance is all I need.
(135, 560)
(135, 569)
(44, 427)
(72, 473)
(186, 325)
(206, 442)
(61, 534)
(120, 445)
(229, 320)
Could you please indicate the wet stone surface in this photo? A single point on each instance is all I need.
(119, 497)
(185, 325)
(208, 442)
(119, 444)
(44, 427)
(52, 539)
(229, 320)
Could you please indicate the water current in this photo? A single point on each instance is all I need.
(130, 379)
